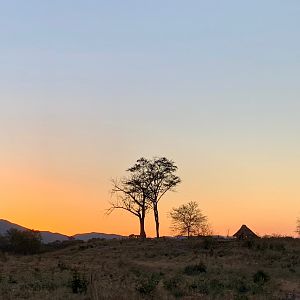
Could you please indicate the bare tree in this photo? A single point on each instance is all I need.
(162, 178)
(188, 219)
(146, 184)
(205, 229)
(130, 193)
(298, 226)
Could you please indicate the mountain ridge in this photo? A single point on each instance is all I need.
(48, 236)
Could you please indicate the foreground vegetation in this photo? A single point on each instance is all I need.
(198, 268)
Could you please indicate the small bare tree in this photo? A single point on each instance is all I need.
(205, 229)
(188, 219)
(298, 227)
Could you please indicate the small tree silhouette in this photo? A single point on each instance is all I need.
(298, 227)
(188, 219)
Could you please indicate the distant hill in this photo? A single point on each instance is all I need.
(6, 225)
(48, 237)
(96, 235)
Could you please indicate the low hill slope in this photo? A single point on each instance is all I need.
(47, 236)
(200, 268)
(96, 235)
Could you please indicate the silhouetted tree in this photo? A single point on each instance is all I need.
(24, 241)
(131, 193)
(188, 219)
(162, 178)
(147, 182)
(205, 229)
(298, 226)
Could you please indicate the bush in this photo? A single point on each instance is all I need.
(193, 270)
(62, 266)
(208, 243)
(57, 245)
(242, 286)
(176, 285)
(216, 286)
(4, 245)
(24, 242)
(78, 284)
(260, 277)
(265, 244)
(199, 286)
(147, 284)
(277, 247)
(249, 244)
(3, 257)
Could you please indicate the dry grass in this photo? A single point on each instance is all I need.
(157, 269)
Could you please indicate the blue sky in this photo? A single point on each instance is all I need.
(93, 85)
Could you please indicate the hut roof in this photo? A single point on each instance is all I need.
(245, 233)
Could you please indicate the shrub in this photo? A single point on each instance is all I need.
(62, 266)
(262, 246)
(260, 277)
(3, 257)
(216, 286)
(78, 284)
(56, 245)
(278, 247)
(4, 246)
(11, 279)
(24, 242)
(208, 243)
(147, 284)
(242, 286)
(267, 243)
(193, 270)
(249, 244)
(176, 285)
(199, 286)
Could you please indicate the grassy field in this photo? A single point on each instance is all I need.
(199, 268)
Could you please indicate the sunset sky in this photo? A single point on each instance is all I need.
(88, 87)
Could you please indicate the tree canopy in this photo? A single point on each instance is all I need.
(147, 181)
(131, 193)
(188, 220)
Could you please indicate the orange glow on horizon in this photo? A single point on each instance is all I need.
(68, 207)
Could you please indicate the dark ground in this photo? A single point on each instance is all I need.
(199, 268)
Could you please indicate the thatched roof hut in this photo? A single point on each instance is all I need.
(245, 233)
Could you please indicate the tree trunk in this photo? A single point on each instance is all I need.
(142, 228)
(156, 218)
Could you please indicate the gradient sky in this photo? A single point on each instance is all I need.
(88, 87)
